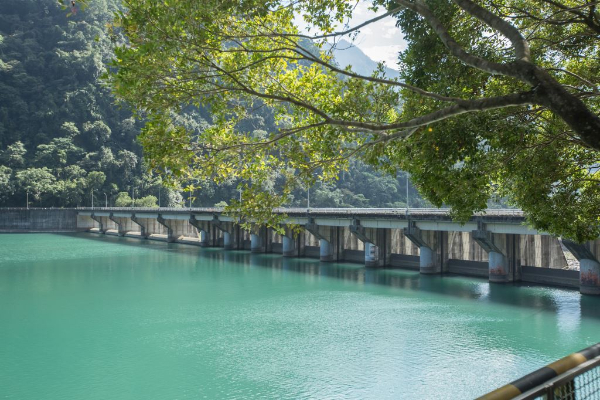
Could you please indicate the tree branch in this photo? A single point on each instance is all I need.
(509, 31)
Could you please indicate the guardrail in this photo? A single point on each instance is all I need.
(297, 210)
(574, 377)
(317, 211)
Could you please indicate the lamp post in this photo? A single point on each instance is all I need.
(105, 201)
(92, 199)
(308, 198)
(407, 204)
(28, 199)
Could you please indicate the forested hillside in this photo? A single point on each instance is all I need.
(63, 140)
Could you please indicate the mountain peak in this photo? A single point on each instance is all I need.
(347, 53)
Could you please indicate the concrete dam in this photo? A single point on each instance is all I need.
(496, 244)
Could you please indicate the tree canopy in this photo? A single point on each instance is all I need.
(495, 98)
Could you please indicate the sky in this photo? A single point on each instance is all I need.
(381, 40)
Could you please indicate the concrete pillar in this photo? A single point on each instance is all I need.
(232, 236)
(121, 224)
(503, 254)
(427, 261)
(432, 248)
(498, 267)
(377, 241)
(256, 243)
(170, 236)
(204, 239)
(100, 223)
(205, 231)
(293, 242)
(325, 251)
(589, 267)
(289, 247)
(328, 240)
(227, 243)
(371, 255)
(143, 230)
(589, 277)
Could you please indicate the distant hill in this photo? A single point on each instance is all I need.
(348, 54)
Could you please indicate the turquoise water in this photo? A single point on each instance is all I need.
(89, 317)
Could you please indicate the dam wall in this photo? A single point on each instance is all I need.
(17, 220)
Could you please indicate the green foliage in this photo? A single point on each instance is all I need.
(123, 200)
(6, 183)
(14, 155)
(36, 181)
(474, 117)
(56, 114)
(147, 201)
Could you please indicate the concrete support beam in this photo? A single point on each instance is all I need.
(206, 231)
(503, 254)
(433, 257)
(260, 240)
(231, 233)
(589, 267)
(257, 243)
(377, 241)
(293, 245)
(171, 237)
(328, 240)
(289, 247)
(143, 230)
(101, 228)
(121, 224)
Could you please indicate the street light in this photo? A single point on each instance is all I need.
(92, 199)
(105, 201)
(28, 199)
(407, 204)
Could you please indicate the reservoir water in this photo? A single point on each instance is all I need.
(89, 317)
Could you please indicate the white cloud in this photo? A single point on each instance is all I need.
(366, 31)
(387, 54)
(390, 33)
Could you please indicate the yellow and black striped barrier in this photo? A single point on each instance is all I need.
(543, 374)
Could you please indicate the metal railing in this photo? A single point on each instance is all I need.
(579, 383)
(574, 377)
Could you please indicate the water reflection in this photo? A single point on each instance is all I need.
(569, 305)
